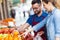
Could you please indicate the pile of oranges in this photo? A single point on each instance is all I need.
(5, 21)
(9, 33)
(14, 36)
(8, 19)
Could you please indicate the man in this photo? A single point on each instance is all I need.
(38, 16)
(52, 21)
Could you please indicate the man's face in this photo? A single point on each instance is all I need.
(46, 6)
(36, 8)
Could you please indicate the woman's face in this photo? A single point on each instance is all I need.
(46, 6)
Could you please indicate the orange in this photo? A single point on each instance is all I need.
(20, 38)
(0, 37)
(10, 37)
(16, 33)
(16, 38)
(6, 38)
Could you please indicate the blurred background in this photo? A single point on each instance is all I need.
(14, 13)
(7, 7)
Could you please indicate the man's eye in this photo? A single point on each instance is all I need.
(43, 5)
(35, 8)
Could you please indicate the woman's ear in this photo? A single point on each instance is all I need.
(49, 3)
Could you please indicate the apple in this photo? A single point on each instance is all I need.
(0, 31)
(11, 30)
(6, 30)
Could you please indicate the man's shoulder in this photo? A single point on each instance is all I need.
(32, 15)
(45, 13)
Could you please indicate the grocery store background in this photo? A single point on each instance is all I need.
(7, 5)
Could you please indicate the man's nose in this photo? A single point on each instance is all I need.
(34, 10)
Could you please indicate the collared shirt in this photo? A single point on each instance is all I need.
(36, 18)
(52, 22)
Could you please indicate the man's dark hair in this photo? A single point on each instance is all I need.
(35, 1)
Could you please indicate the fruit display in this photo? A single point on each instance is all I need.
(11, 36)
(6, 30)
(6, 22)
(9, 33)
(8, 19)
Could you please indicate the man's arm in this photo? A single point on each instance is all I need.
(40, 25)
(37, 27)
(23, 27)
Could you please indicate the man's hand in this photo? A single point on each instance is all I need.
(20, 28)
(23, 27)
(27, 31)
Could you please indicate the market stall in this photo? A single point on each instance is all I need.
(9, 32)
